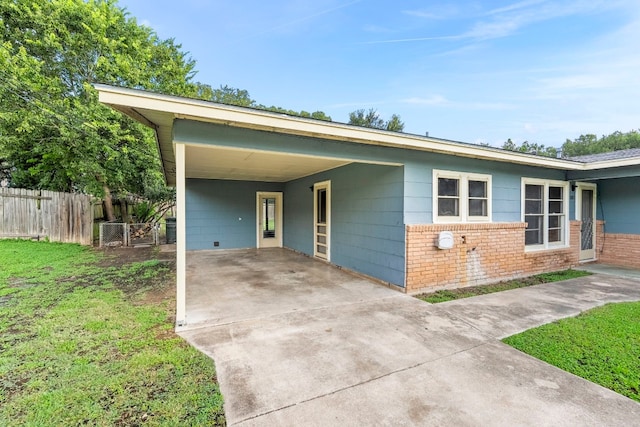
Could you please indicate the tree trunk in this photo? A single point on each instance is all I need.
(108, 204)
(124, 211)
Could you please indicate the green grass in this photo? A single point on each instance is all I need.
(84, 344)
(472, 291)
(601, 345)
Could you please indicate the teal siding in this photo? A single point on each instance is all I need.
(506, 184)
(367, 229)
(418, 165)
(223, 211)
(619, 203)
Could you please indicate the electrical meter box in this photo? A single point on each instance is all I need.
(445, 240)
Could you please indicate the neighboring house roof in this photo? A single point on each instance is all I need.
(159, 112)
(612, 155)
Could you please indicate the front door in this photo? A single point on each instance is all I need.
(322, 220)
(269, 220)
(586, 212)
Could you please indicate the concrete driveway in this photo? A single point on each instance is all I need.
(298, 342)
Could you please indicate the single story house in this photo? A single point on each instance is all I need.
(414, 212)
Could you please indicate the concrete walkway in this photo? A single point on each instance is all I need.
(297, 342)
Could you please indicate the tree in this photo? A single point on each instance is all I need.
(240, 97)
(318, 115)
(531, 148)
(591, 144)
(54, 134)
(371, 119)
(225, 95)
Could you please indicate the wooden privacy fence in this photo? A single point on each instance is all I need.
(60, 217)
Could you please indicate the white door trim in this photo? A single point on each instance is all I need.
(324, 185)
(589, 254)
(277, 241)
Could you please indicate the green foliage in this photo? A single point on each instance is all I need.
(224, 95)
(371, 119)
(601, 345)
(531, 148)
(591, 144)
(81, 344)
(318, 115)
(472, 291)
(149, 211)
(54, 134)
(584, 144)
(240, 97)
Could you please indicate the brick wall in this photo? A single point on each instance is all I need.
(599, 238)
(620, 249)
(482, 253)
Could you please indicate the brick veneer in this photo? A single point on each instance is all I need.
(599, 237)
(482, 253)
(620, 249)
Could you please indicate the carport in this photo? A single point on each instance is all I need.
(252, 179)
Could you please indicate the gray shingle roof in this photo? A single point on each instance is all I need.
(612, 155)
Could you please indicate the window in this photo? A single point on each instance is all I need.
(545, 212)
(461, 197)
(448, 197)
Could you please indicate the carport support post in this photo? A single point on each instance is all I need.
(181, 243)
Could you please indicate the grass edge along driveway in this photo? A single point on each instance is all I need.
(85, 343)
(444, 295)
(601, 345)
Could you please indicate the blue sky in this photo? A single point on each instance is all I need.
(472, 71)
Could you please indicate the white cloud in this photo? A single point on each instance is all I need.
(515, 6)
(507, 20)
(294, 21)
(441, 101)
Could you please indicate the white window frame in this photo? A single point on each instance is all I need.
(463, 188)
(546, 183)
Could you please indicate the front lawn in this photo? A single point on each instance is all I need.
(472, 291)
(88, 339)
(601, 345)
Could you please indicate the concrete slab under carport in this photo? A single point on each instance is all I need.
(227, 286)
(352, 352)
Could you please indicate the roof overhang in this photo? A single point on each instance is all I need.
(159, 112)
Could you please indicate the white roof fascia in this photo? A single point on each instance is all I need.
(606, 164)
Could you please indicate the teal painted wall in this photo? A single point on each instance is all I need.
(619, 205)
(367, 229)
(506, 184)
(223, 211)
(418, 165)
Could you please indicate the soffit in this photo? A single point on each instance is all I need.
(211, 162)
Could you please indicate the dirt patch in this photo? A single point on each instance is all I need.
(117, 257)
(153, 282)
